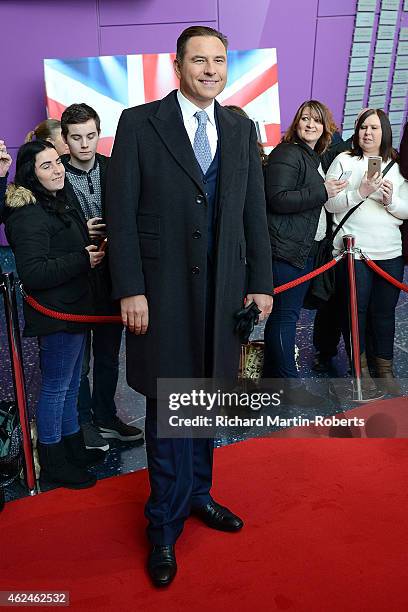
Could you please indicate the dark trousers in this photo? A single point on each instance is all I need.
(327, 328)
(280, 328)
(180, 474)
(180, 469)
(99, 406)
(377, 299)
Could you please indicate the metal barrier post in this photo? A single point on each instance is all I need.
(349, 244)
(16, 356)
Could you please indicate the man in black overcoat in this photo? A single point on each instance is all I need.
(188, 242)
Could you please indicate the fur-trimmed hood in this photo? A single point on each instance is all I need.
(17, 197)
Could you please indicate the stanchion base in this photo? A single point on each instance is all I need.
(344, 391)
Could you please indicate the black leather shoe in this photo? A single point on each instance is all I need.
(161, 565)
(218, 517)
(322, 364)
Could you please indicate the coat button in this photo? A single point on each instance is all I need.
(197, 234)
(199, 199)
(195, 270)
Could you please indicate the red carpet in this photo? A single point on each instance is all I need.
(326, 530)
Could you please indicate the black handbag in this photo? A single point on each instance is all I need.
(11, 443)
(322, 287)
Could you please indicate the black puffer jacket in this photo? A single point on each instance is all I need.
(295, 194)
(51, 259)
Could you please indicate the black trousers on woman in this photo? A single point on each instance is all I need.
(377, 300)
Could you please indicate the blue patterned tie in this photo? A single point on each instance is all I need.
(201, 144)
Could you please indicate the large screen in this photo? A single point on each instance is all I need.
(112, 83)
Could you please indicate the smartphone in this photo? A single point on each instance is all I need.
(374, 165)
(103, 245)
(345, 175)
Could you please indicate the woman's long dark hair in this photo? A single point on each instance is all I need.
(26, 177)
(25, 168)
(386, 149)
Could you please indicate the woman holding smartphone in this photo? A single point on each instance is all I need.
(381, 204)
(296, 191)
(53, 259)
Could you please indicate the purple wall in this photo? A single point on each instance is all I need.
(313, 41)
(312, 37)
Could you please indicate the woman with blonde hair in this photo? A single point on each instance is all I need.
(49, 130)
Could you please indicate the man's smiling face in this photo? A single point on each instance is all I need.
(203, 70)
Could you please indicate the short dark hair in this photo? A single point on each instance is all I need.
(326, 119)
(386, 149)
(25, 167)
(78, 113)
(193, 31)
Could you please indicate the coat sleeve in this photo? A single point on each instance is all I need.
(281, 180)
(3, 186)
(403, 163)
(122, 200)
(399, 205)
(258, 248)
(30, 240)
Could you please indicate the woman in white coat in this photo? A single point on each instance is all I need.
(381, 204)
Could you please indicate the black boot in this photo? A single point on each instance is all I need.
(78, 454)
(56, 469)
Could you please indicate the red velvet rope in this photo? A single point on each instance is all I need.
(62, 316)
(371, 264)
(306, 277)
(54, 314)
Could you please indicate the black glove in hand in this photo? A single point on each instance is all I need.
(246, 318)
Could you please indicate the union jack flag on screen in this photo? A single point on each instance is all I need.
(112, 83)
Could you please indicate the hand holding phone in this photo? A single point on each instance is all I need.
(333, 187)
(103, 245)
(374, 165)
(369, 185)
(387, 190)
(96, 227)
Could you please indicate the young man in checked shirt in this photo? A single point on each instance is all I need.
(86, 178)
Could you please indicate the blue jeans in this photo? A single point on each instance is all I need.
(60, 361)
(280, 328)
(376, 301)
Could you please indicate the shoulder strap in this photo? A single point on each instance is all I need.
(350, 212)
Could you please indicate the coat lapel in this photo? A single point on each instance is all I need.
(168, 123)
(230, 150)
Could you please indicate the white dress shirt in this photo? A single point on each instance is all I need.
(188, 110)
